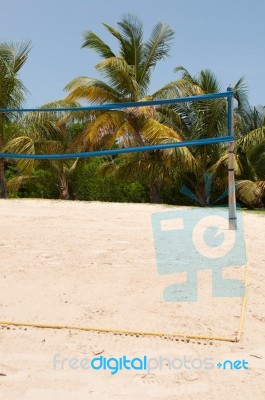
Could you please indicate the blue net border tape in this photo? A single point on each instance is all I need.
(187, 143)
(116, 106)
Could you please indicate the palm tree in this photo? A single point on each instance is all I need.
(12, 91)
(205, 119)
(250, 158)
(127, 77)
(252, 118)
(249, 154)
(47, 133)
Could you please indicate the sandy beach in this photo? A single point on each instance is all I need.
(93, 264)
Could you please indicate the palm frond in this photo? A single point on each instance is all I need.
(156, 49)
(12, 58)
(14, 54)
(156, 133)
(114, 33)
(15, 183)
(72, 168)
(104, 127)
(132, 43)
(92, 41)
(256, 156)
(93, 90)
(170, 90)
(250, 139)
(22, 145)
(121, 76)
(240, 91)
(249, 192)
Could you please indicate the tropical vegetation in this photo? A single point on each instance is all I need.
(12, 93)
(182, 175)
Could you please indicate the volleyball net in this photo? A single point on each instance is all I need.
(228, 138)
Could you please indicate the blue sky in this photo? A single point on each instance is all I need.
(226, 36)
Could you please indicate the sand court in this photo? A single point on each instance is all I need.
(94, 265)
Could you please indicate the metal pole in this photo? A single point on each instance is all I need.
(231, 162)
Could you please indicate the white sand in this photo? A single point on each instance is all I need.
(93, 264)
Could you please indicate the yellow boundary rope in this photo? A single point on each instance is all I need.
(145, 333)
(244, 303)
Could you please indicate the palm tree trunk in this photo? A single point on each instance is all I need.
(3, 191)
(155, 193)
(64, 192)
(156, 197)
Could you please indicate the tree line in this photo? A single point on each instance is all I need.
(175, 176)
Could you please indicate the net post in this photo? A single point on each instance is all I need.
(231, 163)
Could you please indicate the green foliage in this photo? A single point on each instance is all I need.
(12, 92)
(90, 184)
(41, 186)
(133, 177)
